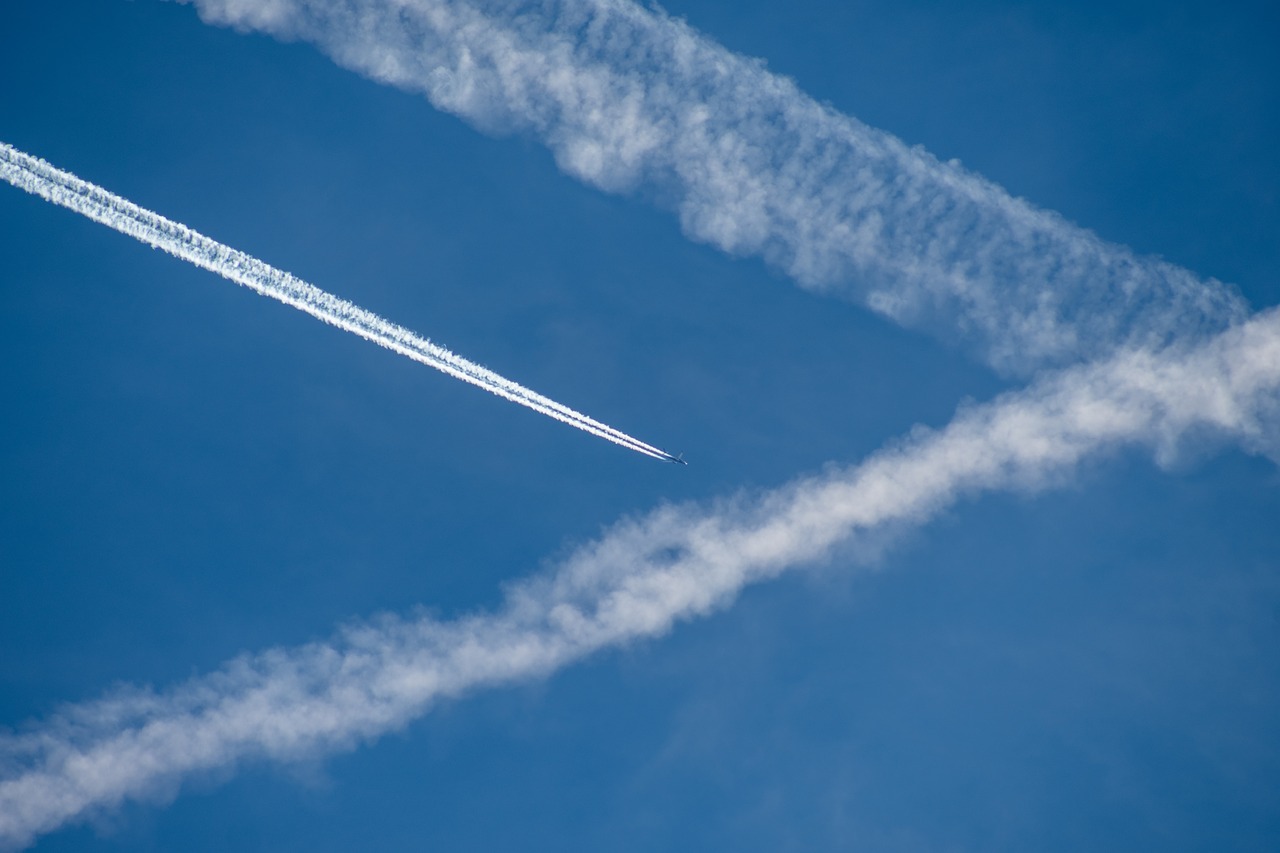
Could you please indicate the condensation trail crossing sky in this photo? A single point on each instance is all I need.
(62, 188)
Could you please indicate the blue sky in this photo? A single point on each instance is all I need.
(192, 472)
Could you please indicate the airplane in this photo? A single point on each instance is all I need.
(678, 459)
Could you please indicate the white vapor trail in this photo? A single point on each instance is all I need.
(631, 99)
(63, 188)
(636, 581)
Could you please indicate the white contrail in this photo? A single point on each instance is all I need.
(626, 96)
(630, 99)
(636, 581)
(63, 188)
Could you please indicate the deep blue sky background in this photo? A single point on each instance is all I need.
(188, 471)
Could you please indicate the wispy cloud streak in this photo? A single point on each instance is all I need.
(636, 581)
(630, 99)
(63, 188)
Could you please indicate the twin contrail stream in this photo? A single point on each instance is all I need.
(63, 188)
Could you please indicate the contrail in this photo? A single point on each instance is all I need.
(63, 188)
(630, 99)
(638, 580)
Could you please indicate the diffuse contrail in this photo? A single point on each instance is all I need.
(636, 581)
(629, 98)
(63, 188)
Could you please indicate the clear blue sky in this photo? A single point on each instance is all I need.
(189, 472)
